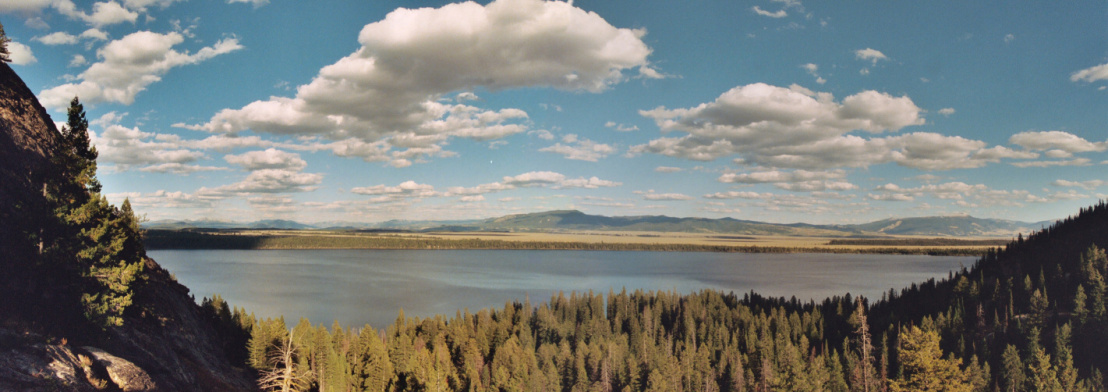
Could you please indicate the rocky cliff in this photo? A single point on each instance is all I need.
(165, 342)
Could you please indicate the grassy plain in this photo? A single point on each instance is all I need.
(584, 240)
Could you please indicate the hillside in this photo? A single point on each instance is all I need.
(160, 341)
(954, 226)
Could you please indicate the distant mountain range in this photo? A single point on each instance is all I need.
(572, 220)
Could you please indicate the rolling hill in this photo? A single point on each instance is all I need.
(573, 220)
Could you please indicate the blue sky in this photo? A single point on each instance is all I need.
(778, 111)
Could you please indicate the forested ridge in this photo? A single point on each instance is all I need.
(81, 305)
(1028, 317)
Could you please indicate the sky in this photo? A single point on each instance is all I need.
(777, 111)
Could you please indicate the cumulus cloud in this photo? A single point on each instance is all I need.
(20, 54)
(667, 169)
(869, 54)
(393, 83)
(128, 65)
(270, 158)
(77, 61)
(127, 147)
(1056, 140)
(797, 128)
(946, 111)
(164, 199)
(57, 38)
(580, 149)
(268, 181)
(103, 13)
(1091, 74)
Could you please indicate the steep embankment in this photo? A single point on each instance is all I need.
(165, 343)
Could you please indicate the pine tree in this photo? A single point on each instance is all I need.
(89, 238)
(924, 367)
(5, 55)
(1012, 371)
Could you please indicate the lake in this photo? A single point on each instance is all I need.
(357, 287)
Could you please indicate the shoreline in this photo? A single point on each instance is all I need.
(236, 240)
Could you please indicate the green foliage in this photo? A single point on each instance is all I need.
(924, 367)
(5, 55)
(96, 244)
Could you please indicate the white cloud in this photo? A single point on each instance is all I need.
(178, 168)
(777, 14)
(813, 70)
(129, 65)
(405, 189)
(776, 176)
(94, 34)
(13, 6)
(651, 195)
(472, 199)
(142, 5)
(588, 183)
(1009, 38)
(739, 195)
(946, 111)
(890, 197)
(870, 54)
(621, 127)
(1090, 184)
(1069, 162)
(267, 181)
(20, 54)
(127, 147)
(580, 149)
(270, 158)
(1056, 140)
(766, 123)
(798, 128)
(667, 169)
(542, 134)
(103, 13)
(57, 38)
(393, 83)
(163, 199)
(255, 3)
(77, 61)
(1091, 74)
(796, 181)
(533, 179)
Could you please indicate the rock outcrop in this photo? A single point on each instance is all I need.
(165, 342)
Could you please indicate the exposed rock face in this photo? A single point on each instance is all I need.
(165, 343)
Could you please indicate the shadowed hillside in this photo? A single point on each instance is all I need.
(65, 324)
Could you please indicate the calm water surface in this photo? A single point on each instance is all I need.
(357, 287)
